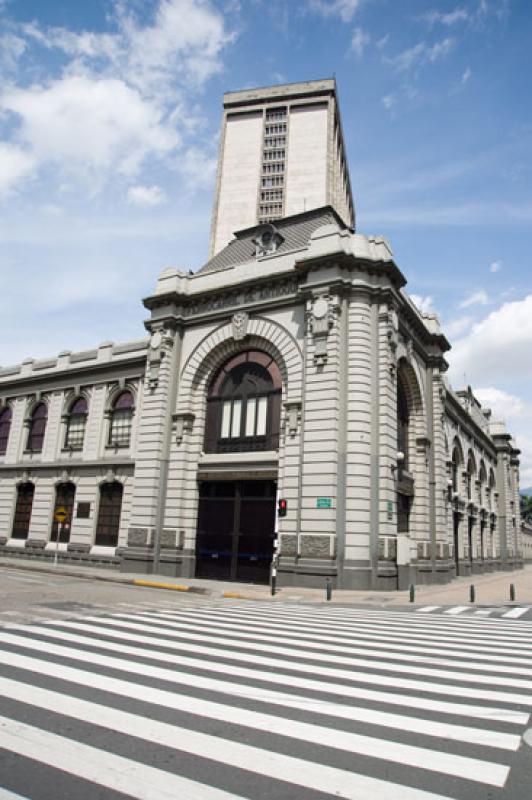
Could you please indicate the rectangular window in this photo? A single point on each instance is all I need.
(262, 413)
(235, 422)
(226, 419)
(250, 416)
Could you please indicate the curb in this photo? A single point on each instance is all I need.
(108, 578)
(176, 587)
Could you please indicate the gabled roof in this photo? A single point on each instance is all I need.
(295, 231)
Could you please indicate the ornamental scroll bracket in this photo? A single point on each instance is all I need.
(321, 313)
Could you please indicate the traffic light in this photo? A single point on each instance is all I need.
(281, 507)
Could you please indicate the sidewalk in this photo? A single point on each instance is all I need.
(492, 589)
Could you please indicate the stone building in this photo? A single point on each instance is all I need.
(292, 369)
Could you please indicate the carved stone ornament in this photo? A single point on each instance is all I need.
(159, 339)
(239, 323)
(293, 416)
(183, 425)
(320, 319)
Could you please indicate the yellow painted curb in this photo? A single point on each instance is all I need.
(234, 595)
(177, 587)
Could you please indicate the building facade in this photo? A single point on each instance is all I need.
(292, 367)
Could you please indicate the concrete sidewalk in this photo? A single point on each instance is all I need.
(492, 589)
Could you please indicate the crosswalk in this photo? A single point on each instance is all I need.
(505, 612)
(220, 701)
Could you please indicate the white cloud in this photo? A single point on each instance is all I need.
(389, 101)
(479, 298)
(88, 122)
(466, 75)
(497, 349)
(12, 48)
(450, 18)
(383, 41)
(147, 196)
(421, 53)
(457, 326)
(502, 404)
(119, 99)
(496, 266)
(425, 304)
(359, 41)
(345, 9)
(16, 165)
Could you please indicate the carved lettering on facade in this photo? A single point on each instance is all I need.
(238, 298)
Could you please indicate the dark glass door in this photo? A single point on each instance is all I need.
(456, 526)
(236, 521)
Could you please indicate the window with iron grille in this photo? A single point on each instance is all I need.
(108, 524)
(243, 411)
(21, 520)
(5, 427)
(37, 428)
(76, 424)
(121, 420)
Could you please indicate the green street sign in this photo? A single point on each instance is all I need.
(324, 502)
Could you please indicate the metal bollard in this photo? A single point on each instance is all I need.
(273, 581)
(328, 589)
(472, 594)
(412, 593)
(512, 592)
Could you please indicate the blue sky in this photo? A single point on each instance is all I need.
(109, 118)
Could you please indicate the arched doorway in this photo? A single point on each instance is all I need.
(236, 518)
(23, 507)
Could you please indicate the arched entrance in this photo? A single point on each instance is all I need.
(236, 518)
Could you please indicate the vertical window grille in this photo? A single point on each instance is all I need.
(76, 424)
(121, 420)
(37, 428)
(22, 518)
(5, 427)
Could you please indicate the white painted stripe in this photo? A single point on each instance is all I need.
(384, 643)
(396, 721)
(427, 609)
(367, 630)
(515, 612)
(100, 767)
(456, 610)
(5, 794)
(426, 704)
(408, 755)
(402, 646)
(424, 630)
(439, 623)
(495, 627)
(483, 612)
(367, 663)
(166, 785)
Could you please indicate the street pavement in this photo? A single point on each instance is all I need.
(212, 699)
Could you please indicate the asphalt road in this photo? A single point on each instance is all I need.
(135, 693)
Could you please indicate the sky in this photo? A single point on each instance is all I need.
(109, 122)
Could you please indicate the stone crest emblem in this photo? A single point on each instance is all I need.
(239, 322)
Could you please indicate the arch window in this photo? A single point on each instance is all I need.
(5, 427)
(121, 420)
(108, 524)
(64, 498)
(402, 423)
(37, 428)
(469, 477)
(76, 424)
(455, 466)
(244, 405)
(24, 504)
